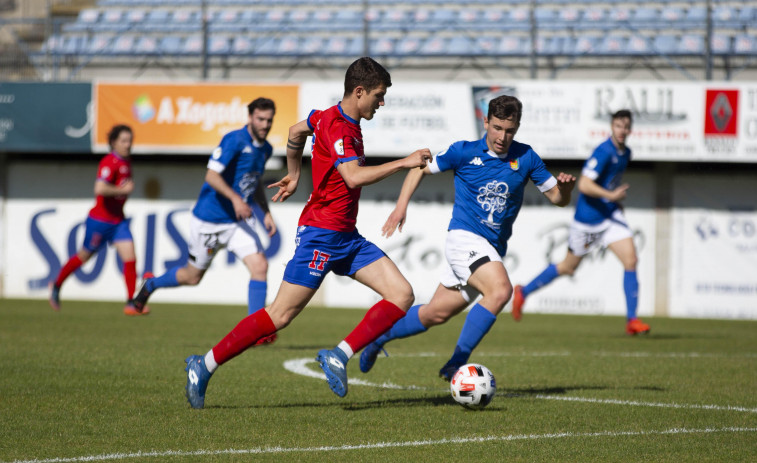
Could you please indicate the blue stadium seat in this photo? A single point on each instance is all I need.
(289, 46)
(87, 19)
(720, 44)
(122, 45)
(146, 45)
(644, 17)
(672, 14)
(469, 18)
(569, 16)
(485, 45)
(585, 45)
(612, 45)
(382, 46)
(407, 46)
(219, 45)
(459, 45)
(156, 20)
(747, 15)
(343, 46)
(691, 44)
(638, 45)
(595, 18)
(621, 16)
(444, 18)
(666, 44)
(242, 46)
(226, 20)
(345, 18)
(313, 45)
(434, 46)
(267, 46)
(184, 20)
(170, 45)
(98, 44)
(511, 45)
(745, 45)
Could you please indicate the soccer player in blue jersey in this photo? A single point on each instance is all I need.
(599, 221)
(490, 177)
(223, 215)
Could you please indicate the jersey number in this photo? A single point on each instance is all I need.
(319, 260)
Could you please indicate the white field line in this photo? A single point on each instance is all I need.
(299, 367)
(594, 354)
(383, 445)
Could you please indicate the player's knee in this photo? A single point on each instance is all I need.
(403, 296)
(193, 280)
(630, 263)
(501, 295)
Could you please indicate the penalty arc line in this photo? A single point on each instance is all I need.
(382, 445)
(299, 366)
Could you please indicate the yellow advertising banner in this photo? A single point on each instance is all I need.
(187, 118)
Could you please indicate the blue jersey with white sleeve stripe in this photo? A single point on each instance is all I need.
(241, 162)
(605, 167)
(489, 187)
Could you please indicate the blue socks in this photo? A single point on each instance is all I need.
(406, 326)
(477, 324)
(167, 280)
(544, 278)
(631, 288)
(256, 294)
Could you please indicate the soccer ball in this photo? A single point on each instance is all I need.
(473, 386)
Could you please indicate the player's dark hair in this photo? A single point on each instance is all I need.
(116, 131)
(365, 72)
(505, 107)
(263, 104)
(622, 114)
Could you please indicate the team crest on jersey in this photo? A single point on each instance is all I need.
(515, 164)
(339, 147)
(105, 173)
(216, 153)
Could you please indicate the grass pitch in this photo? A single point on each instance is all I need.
(89, 384)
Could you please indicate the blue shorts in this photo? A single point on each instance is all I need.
(98, 233)
(320, 251)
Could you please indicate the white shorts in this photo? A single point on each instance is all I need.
(206, 238)
(465, 252)
(584, 238)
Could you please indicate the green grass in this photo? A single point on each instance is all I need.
(90, 382)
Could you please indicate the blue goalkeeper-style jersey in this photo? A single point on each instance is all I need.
(241, 162)
(605, 166)
(489, 187)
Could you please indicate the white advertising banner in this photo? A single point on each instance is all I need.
(415, 115)
(44, 233)
(673, 121)
(714, 249)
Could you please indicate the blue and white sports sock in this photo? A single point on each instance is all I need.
(631, 288)
(256, 295)
(544, 278)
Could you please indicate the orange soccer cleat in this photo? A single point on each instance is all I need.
(518, 301)
(636, 326)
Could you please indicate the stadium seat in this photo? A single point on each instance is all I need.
(407, 46)
(745, 45)
(644, 18)
(620, 15)
(485, 45)
(585, 45)
(218, 45)
(170, 45)
(349, 19)
(612, 45)
(146, 45)
(98, 44)
(312, 45)
(289, 46)
(671, 14)
(242, 46)
(87, 19)
(638, 45)
(382, 46)
(444, 18)
(720, 44)
(343, 46)
(747, 15)
(460, 46)
(184, 20)
(122, 45)
(690, 44)
(594, 18)
(267, 46)
(517, 46)
(665, 44)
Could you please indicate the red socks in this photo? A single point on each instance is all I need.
(376, 322)
(244, 335)
(130, 277)
(73, 263)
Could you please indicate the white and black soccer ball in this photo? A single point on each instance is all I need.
(473, 386)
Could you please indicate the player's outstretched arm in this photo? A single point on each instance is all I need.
(591, 188)
(298, 135)
(559, 195)
(396, 219)
(356, 176)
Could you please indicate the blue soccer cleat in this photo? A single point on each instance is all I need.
(449, 369)
(334, 364)
(368, 357)
(197, 380)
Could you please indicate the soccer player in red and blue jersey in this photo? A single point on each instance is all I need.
(327, 240)
(599, 222)
(106, 222)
